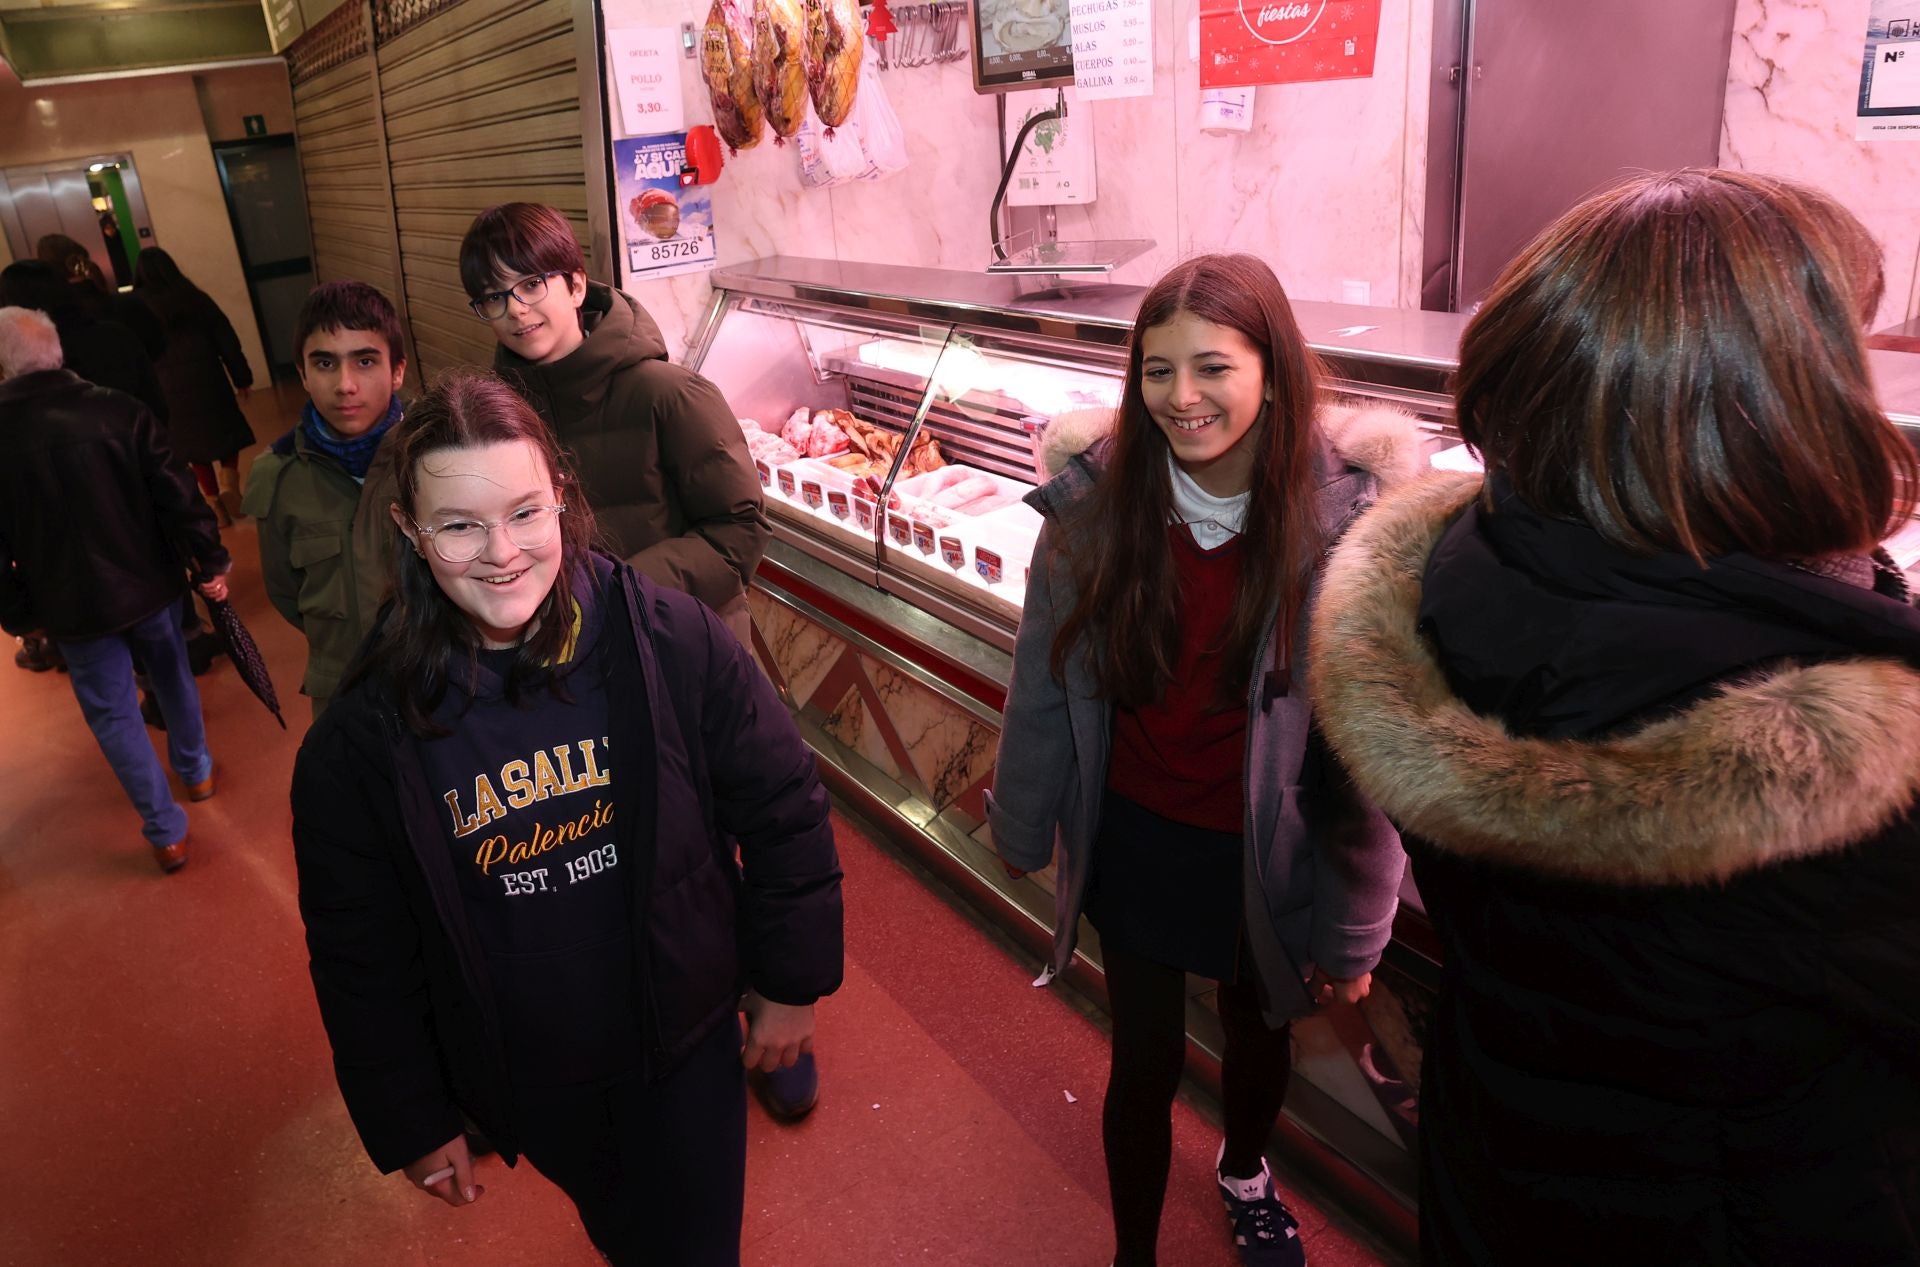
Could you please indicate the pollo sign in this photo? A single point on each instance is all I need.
(1286, 41)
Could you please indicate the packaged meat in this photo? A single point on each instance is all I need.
(798, 428)
(779, 73)
(770, 449)
(835, 38)
(726, 63)
(748, 426)
(958, 496)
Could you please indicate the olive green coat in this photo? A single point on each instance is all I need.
(326, 545)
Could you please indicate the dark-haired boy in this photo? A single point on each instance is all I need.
(321, 492)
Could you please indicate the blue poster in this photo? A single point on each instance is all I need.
(667, 229)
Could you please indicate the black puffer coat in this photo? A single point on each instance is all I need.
(1663, 822)
(199, 370)
(708, 757)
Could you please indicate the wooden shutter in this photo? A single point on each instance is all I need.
(481, 104)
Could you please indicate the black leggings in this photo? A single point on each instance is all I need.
(1148, 1003)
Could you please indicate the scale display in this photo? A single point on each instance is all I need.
(1021, 44)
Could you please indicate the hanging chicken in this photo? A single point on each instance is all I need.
(726, 63)
(779, 72)
(834, 41)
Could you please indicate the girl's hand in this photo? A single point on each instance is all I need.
(447, 1173)
(1328, 990)
(778, 1034)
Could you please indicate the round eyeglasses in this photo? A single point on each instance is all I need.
(464, 540)
(528, 290)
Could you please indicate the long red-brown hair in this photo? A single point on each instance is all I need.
(1126, 599)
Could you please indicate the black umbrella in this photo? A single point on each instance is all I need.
(245, 654)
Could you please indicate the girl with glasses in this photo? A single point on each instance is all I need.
(515, 829)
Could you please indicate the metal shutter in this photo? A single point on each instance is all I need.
(481, 105)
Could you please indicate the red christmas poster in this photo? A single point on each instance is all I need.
(1286, 41)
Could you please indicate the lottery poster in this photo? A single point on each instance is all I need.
(667, 229)
(1889, 106)
(1246, 42)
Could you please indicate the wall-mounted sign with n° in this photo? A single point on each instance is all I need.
(256, 124)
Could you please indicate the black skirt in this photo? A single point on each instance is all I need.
(1166, 891)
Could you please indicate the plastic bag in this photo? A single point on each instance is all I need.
(880, 133)
(868, 146)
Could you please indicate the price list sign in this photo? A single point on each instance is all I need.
(646, 79)
(1112, 48)
(667, 229)
(1286, 41)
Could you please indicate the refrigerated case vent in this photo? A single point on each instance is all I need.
(981, 430)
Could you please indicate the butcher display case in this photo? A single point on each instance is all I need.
(896, 418)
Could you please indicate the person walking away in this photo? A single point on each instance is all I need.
(99, 527)
(201, 371)
(516, 828)
(321, 492)
(1643, 701)
(1157, 726)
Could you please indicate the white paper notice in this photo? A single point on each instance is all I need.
(1112, 48)
(1056, 167)
(646, 74)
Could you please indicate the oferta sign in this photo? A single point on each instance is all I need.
(1286, 41)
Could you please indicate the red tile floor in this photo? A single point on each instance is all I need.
(166, 1096)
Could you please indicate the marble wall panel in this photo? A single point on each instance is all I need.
(1793, 83)
(1328, 186)
(951, 750)
(804, 652)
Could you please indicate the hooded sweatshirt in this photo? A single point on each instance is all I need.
(660, 454)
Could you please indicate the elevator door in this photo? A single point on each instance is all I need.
(268, 205)
(56, 202)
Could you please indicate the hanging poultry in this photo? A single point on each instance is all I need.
(779, 70)
(726, 63)
(834, 43)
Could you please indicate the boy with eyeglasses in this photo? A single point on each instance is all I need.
(660, 454)
(321, 492)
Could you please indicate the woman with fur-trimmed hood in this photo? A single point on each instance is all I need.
(1157, 729)
(1645, 704)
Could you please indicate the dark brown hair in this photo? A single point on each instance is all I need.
(1116, 541)
(517, 239)
(73, 260)
(467, 410)
(335, 306)
(1678, 363)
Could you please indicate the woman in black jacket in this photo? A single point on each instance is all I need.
(1645, 704)
(515, 829)
(200, 371)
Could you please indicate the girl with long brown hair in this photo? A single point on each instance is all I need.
(1157, 724)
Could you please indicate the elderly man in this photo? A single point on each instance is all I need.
(99, 526)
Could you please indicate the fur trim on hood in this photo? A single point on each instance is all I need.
(1384, 441)
(1792, 764)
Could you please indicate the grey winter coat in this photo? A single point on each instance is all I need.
(1323, 866)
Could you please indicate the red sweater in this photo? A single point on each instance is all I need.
(1184, 756)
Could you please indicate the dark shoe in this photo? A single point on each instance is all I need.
(37, 654)
(150, 712)
(201, 649)
(171, 857)
(789, 1094)
(201, 791)
(1264, 1231)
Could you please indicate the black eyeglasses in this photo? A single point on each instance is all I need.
(528, 290)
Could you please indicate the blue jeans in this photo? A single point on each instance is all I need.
(101, 670)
